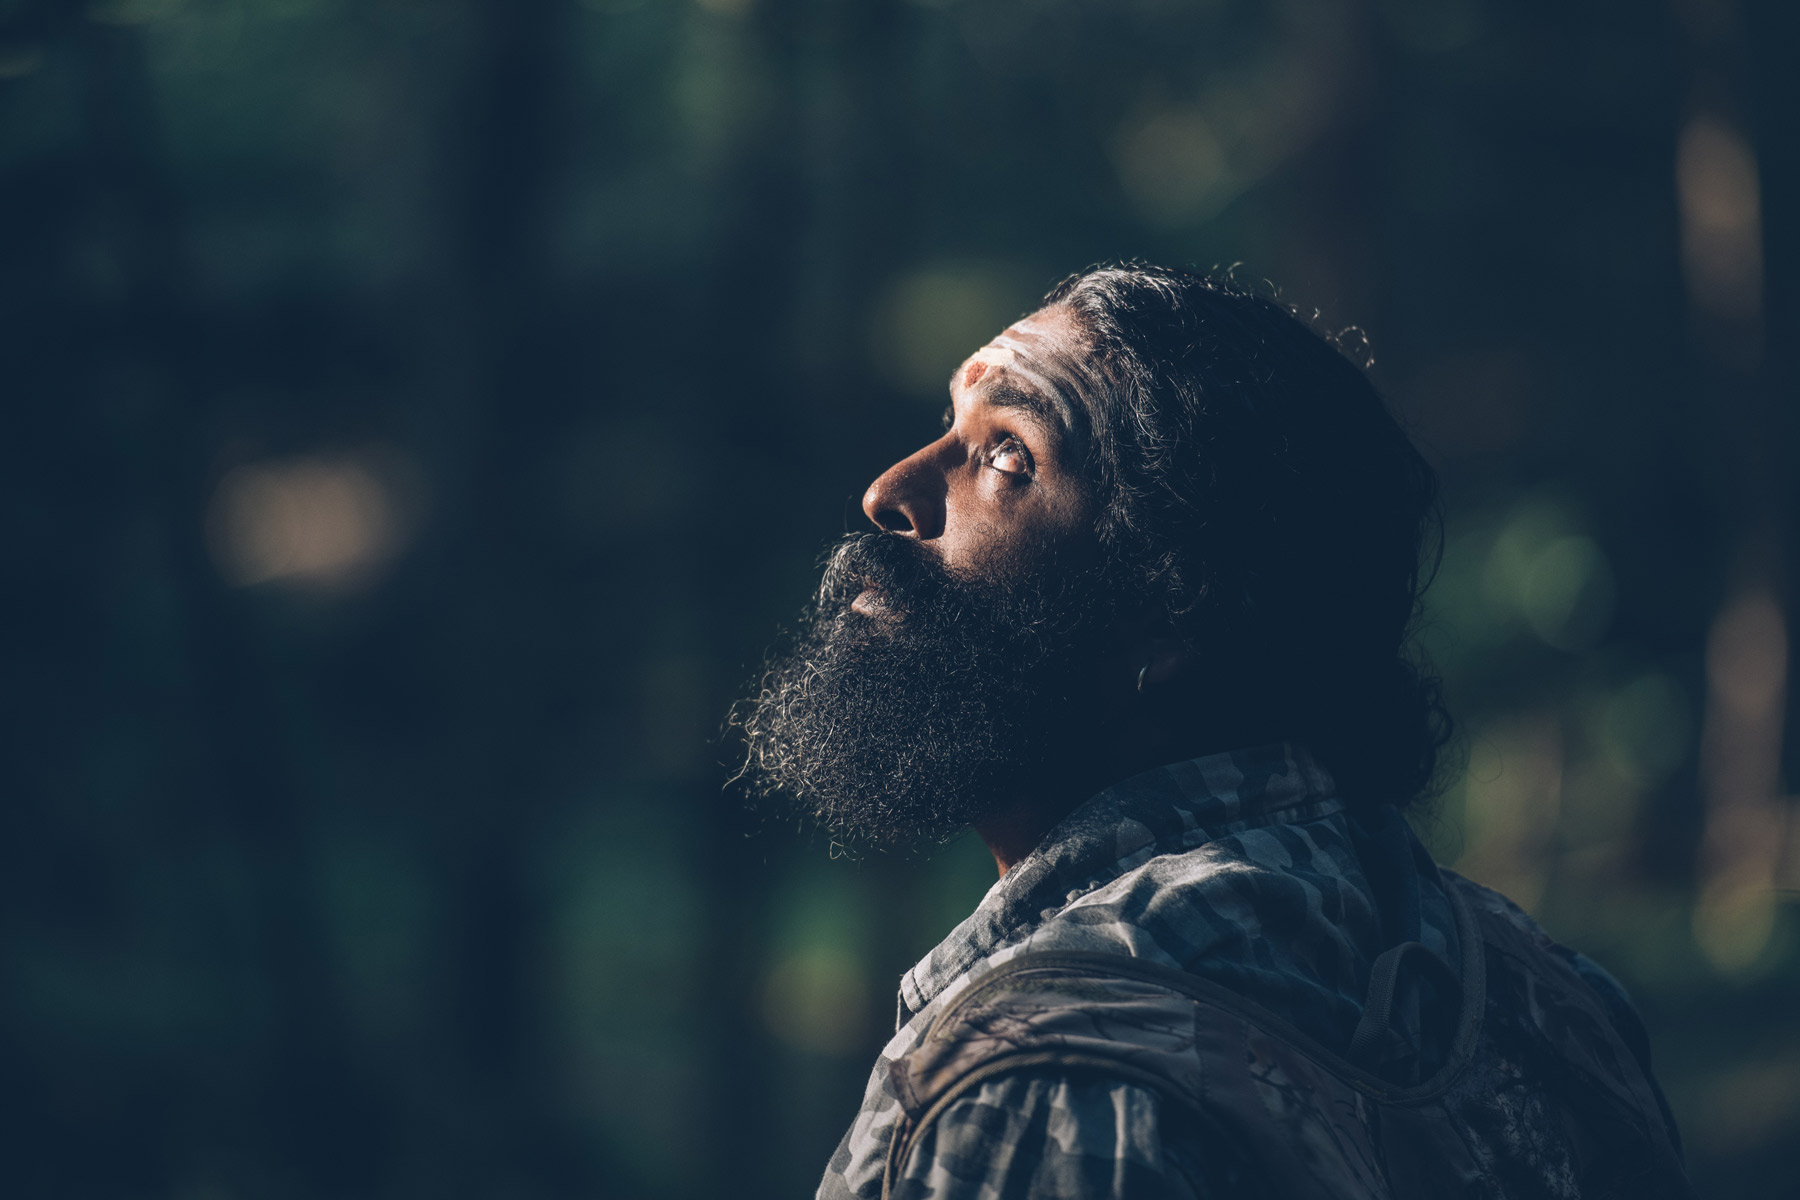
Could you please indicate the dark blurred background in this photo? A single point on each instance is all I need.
(420, 416)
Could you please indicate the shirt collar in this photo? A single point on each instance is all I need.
(1168, 809)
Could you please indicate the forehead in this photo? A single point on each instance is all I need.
(1043, 358)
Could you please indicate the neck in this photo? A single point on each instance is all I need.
(1147, 741)
(1015, 832)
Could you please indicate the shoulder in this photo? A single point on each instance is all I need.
(1070, 1074)
(1290, 898)
(1053, 1134)
(1053, 1075)
(1510, 930)
(1225, 864)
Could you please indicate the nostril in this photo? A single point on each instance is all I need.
(893, 520)
(905, 498)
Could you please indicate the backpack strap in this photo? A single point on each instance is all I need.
(1378, 1006)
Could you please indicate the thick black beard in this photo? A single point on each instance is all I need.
(903, 728)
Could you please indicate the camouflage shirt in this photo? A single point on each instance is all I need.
(1241, 868)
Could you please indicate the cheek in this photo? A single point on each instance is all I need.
(1029, 554)
(990, 529)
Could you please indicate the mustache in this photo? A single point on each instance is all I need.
(902, 572)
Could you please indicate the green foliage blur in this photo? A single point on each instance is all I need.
(421, 416)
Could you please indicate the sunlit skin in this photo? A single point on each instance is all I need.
(1002, 486)
(1002, 491)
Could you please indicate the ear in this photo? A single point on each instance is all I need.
(1151, 652)
(1166, 658)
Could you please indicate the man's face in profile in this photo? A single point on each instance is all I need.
(944, 667)
(1004, 484)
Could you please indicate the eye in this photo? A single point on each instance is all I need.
(1011, 458)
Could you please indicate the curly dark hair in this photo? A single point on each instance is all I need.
(1259, 492)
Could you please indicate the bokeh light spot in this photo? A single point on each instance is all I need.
(817, 1000)
(1568, 593)
(1716, 182)
(1173, 168)
(1646, 728)
(1542, 571)
(303, 520)
(1512, 800)
(933, 318)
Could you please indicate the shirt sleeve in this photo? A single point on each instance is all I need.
(1050, 1136)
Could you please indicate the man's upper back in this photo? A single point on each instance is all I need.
(1241, 872)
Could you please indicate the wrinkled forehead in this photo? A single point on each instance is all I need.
(1046, 353)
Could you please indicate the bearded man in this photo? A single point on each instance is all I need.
(1140, 617)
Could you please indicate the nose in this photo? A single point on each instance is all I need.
(908, 497)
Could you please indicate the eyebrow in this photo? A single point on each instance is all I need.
(1052, 413)
(1048, 412)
